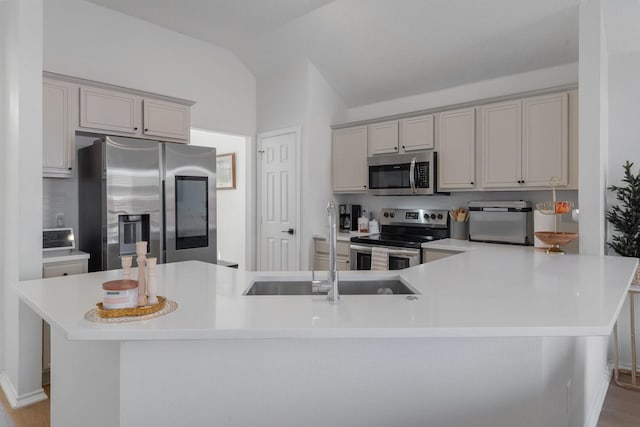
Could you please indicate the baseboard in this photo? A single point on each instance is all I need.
(596, 407)
(19, 401)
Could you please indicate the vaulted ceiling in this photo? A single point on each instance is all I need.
(374, 50)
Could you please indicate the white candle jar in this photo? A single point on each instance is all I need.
(120, 294)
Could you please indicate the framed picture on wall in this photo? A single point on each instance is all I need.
(226, 171)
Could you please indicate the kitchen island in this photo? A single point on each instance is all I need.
(503, 336)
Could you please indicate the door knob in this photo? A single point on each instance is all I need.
(290, 231)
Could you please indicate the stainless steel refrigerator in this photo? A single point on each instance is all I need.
(134, 189)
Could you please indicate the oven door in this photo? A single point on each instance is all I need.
(399, 258)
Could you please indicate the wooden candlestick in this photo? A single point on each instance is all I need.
(152, 285)
(126, 266)
(141, 251)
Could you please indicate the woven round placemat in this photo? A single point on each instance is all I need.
(92, 315)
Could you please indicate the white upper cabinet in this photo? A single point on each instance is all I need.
(166, 119)
(57, 136)
(455, 145)
(108, 110)
(545, 140)
(416, 133)
(350, 160)
(525, 142)
(501, 136)
(383, 138)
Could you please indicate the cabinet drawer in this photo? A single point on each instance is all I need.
(429, 255)
(321, 263)
(342, 247)
(64, 268)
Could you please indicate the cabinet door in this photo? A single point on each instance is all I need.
(166, 120)
(57, 137)
(456, 149)
(383, 138)
(416, 133)
(350, 160)
(108, 110)
(501, 144)
(545, 140)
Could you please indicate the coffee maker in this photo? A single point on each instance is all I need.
(349, 215)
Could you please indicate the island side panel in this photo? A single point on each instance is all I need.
(85, 382)
(344, 382)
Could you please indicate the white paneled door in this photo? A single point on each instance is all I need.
(278, 236)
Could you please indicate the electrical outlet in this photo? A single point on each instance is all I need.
(59, 220)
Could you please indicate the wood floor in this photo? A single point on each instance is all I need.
(621, 409)
(36, 415)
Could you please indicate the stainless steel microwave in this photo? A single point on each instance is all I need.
(402, 174)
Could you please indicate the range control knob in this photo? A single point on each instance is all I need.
(439, 216)
(392, 215)
(386, 215)
(426, 216)
(433, 216)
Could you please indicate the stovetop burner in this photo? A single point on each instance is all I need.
(408, 228)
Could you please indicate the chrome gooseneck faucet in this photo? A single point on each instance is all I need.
(331, 284)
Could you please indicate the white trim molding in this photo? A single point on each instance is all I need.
(20, 401)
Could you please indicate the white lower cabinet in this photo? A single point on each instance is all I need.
(56, 269)
(321, 254)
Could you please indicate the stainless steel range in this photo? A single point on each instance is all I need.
(403, 231)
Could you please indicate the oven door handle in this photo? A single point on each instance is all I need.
(412, 175)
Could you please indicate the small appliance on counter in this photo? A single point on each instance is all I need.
(501, 222)
(349, 215)
(54, 239)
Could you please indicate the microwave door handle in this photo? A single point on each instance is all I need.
(412, 175)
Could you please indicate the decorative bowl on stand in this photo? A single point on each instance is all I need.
(556, 239)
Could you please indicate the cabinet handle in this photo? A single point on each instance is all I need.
(471, 183)
(403, 147)
(146, 130)
(135, 128)
(69, 168)
(65, 274)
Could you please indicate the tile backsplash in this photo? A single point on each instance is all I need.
(59, 203)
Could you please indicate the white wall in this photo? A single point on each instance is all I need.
(88, 41)
(231, 206)
(501, 86)
(21, 177)
(300, 96)
(624, 144)
(593, 127)
(4, 105)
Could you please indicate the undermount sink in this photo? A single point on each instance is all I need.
(345, 287)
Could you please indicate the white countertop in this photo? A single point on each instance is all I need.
(63, 255)
(497, 291)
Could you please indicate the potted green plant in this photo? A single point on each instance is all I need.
(625, 217)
